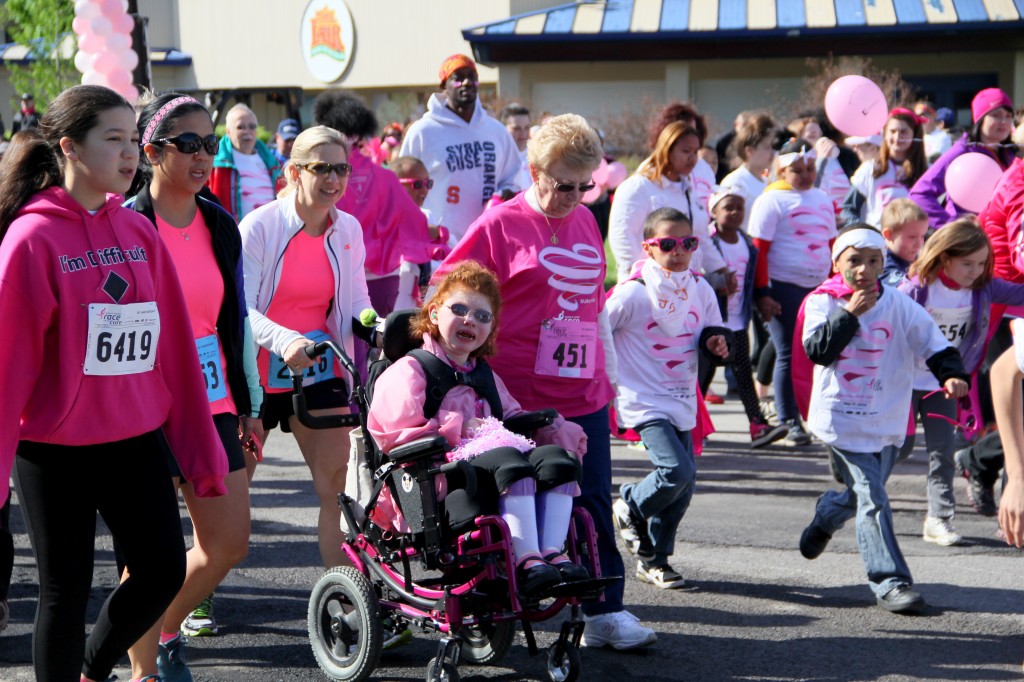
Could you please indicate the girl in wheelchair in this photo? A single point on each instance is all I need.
(528, 483)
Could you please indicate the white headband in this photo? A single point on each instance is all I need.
(861, 238)
(787, 160)
(721, 193)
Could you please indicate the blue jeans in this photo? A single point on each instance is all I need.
(781, 328)
(865, 474)
(664, 495)
(596, 498)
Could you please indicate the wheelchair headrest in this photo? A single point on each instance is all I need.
(397, 339)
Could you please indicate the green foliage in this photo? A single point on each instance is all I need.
(44, 25)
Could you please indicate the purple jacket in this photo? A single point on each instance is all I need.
(972, 348)
(931, 187)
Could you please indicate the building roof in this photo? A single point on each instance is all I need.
(693, 29)
(158, 56)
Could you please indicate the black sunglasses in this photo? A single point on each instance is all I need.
(417, 183)
(481, 316)
(668, 244)
(566, 187)
(190, 143)
(323, 168)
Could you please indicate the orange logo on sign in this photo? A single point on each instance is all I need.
(326, 38)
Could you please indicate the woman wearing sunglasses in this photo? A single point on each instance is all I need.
(546, 251)
(666, 181)
(178, 145)
(304, 283)
(952, 279)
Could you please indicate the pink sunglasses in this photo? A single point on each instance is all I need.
(965, 414)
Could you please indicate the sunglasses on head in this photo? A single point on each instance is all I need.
(668, 244)
(417, 183)
(323, 168)
(566, 187)
(463, 311)
(190, 143)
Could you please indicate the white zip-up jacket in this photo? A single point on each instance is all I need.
(266, 233)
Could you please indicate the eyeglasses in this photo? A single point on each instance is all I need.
(323, 168)
(463, 311)
(668, 244)
(190, 143)
(965, 414)
(567, 187)
(417, 183)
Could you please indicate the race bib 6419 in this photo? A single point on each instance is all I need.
(122, 339)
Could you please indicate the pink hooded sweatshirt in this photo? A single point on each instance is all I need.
(55, 260)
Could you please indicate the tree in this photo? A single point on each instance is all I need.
(45, 27)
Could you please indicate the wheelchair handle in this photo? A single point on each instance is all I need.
(332, 421)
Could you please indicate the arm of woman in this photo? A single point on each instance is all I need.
(1007, 404)
(626, 223)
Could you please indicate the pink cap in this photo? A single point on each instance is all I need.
(989, 100)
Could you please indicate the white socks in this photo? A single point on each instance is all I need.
(554, 511)
(520, 513)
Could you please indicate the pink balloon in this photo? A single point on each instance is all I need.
(84, 61)
(101, 26)
(123, 23)
(130, 93)
(111, 8)
(856, 106)
(970, 180)
(601, 174)
(106, 62)
(80, 25)
(129, 59)
(593, 195)
(119, 42)
(90, 42)
(616, 174)
(94, 77)
(87, 9)
(119, 79)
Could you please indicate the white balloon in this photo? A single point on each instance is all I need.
(93, 77)
(84, 61)
(87, 9)
(119, 42)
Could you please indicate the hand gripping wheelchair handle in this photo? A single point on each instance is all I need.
(333, 421)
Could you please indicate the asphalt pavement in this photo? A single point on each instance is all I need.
(753, 608)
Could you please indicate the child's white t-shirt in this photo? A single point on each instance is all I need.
(736, 258)
(861, 402)
(952, 310)
(749, 185)
(657, 373)
(878, 192)
(800, 226)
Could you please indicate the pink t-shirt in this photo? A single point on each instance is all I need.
(301, 300)
(549, 353)
(202, 283)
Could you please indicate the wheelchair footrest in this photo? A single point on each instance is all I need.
(583, 589)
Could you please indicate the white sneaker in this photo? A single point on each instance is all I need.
(940, 532)
(620, 630)
(665, 577)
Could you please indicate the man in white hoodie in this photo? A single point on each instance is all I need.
(470, 155)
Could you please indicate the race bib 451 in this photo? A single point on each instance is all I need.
(122, 339)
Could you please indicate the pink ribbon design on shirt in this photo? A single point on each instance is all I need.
(573, 272)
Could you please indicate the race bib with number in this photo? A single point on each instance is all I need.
(954, 323)
(122, 339)
(567, 349)
(321, 370)
(209, 363)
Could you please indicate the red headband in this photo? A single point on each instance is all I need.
(453, 64)
(903, 111)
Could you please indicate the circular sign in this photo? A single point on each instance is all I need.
(328, 39)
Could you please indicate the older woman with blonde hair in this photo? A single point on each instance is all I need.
(555, 341)
(302, 257)
(665, 181)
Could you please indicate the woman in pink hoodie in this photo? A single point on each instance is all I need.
(98, 360)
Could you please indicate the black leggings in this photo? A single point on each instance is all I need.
(498, 469)
(61, 488)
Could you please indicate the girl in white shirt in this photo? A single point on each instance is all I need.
(754, 147)
(900, 163)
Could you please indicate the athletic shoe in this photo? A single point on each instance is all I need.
(170, 661)
(901, 599)
(713, 398)
(940, 532)
(813, 540)
(981, 497)
(633, 530)
(664, 577)
(620, 630)
(5, 614)
(201, 623)
(797, 436)
(762, 434)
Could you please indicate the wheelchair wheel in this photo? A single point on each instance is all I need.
(485, 644)
(447, 673)
(344, 625)
(563, 662)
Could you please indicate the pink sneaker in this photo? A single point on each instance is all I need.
(763, 434)
(713, 398)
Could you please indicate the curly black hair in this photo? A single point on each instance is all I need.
(346, 113)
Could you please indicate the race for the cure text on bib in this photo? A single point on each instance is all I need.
(122, 339)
